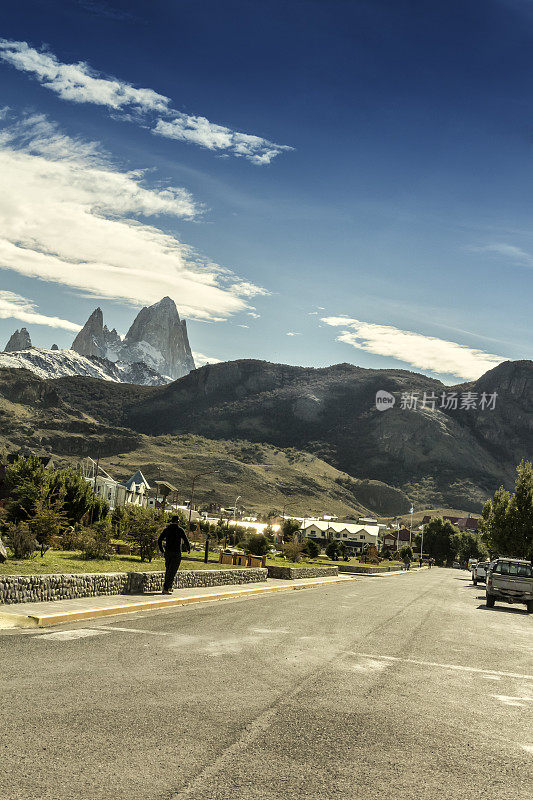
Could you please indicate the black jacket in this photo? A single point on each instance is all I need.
(173, 536)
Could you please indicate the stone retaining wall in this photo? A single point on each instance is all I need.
(141, 582)
(292, 573)
(366, 570)
(37, 588)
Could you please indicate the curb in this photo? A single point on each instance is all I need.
(390, 574)
(32, 620)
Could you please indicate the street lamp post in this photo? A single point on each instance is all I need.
(235, 515)
(194, 477)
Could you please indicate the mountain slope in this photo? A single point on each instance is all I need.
(436, 457)
(49, 364)
(442, 456)
(34, 415)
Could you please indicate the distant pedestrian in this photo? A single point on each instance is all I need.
(173, 536)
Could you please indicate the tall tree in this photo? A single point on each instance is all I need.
(439, 540)
(507, 519)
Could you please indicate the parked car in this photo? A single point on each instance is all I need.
(511, 581)
(479, 572)
(456, 565)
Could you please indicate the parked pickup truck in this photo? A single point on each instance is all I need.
(479, 572)
(511, 581)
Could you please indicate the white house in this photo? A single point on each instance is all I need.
(355, 535)
(117, 493)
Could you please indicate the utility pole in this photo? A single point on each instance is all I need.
(411, 527)
(194, 477)
(94, 485)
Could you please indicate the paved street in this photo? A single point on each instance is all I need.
(398, 687)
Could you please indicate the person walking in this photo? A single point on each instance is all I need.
(170, 544)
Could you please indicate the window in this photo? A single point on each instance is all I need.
(337, 536)
(512, 568)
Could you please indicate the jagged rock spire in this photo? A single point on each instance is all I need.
(160, 327)
(20, 340)
(157, 337)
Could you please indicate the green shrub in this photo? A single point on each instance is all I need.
(293, 550)
(71, 539)
(332, 550)
(21, 540)
(406, 554)
(312, 548)
(256, 544)
(96, 541)
(142, 526)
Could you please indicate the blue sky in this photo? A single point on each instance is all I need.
(380, 213)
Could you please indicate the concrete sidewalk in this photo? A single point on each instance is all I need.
(54, 613)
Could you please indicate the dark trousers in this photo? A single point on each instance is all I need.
(172, 565)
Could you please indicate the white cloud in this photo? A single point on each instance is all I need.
(200, 360)
(292, 333)
(243, 326)
(423, 352)
(14, 306)
(509, 251)
(79, 83)
(68, 215)
(254, 315)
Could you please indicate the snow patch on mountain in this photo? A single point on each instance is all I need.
(48, 364)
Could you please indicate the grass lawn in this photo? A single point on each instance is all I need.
(71, 561)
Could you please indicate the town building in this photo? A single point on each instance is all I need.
(355, 535)
(470, 524)
(116, 493)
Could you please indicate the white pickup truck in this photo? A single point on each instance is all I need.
(479, 572)
(510, 580)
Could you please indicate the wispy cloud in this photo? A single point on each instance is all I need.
(68, 215)
(293, 333)
(79, 83)
(14, 306)
(507, 251)
(423, 352)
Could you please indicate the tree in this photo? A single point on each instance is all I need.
(507, 519)
(344, 552)
(312, 548)
(406, 553)
(289, 528)
(293, 550)
(332, 550)
(469, 545)
(96, 540)
(27, 480)
(142, 526)
(48, 521)
(439, 540)
(117, 521)
(257, 544)
(20, 539)
(77, 493)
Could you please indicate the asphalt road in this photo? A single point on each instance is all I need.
(400, 687)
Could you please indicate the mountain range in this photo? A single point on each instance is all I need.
(325, 418)
(154, 351)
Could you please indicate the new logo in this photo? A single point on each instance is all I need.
(384, 400)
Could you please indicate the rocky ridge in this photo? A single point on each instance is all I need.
(155, 350)
(20, 340)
